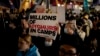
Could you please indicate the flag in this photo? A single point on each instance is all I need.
(85, 6)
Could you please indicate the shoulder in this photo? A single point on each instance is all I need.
(34, 51)
(33, 48)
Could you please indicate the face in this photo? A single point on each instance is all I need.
(23, 45)
(68, 29)
(67, 50)
(86, 16)
(24, 24)
(48, 42)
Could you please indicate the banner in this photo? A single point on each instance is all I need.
(43, 25)
(85, 5)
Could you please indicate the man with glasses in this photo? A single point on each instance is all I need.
(68, 50)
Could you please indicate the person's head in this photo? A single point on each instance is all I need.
(69, 28)
(24, 23)
(86, 16)
(48, 41)
(24, 42)
(68, 50)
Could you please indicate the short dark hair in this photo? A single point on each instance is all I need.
(85, 14)
(74, 46)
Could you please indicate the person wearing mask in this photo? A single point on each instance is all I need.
(70, 35)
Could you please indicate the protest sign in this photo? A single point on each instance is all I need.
(60, 11)
(61, 14)
(43, 24)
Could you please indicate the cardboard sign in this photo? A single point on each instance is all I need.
(61, 14)
(43, 25)
(60, 11)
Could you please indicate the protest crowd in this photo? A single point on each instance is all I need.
(79, 35)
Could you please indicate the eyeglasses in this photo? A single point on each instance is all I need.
(67, 53)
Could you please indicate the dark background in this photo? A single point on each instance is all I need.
(7, 4)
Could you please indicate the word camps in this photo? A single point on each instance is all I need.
(43, 29)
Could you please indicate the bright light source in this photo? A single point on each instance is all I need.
(26, 5)
(71, 3)
(58, 5)
(90, 0)
(76, 6)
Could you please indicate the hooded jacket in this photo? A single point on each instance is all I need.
(33, 51)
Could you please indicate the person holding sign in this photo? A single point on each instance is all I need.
(23, 27)
(69, 34)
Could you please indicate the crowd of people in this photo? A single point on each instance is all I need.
(78, 36)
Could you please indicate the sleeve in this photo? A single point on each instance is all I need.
(91, 24)
(37, 53)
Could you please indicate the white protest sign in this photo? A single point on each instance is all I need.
(61, 14)
(43, 24)
(60, 11)
(54, 9)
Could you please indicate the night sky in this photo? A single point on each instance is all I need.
(4, 3)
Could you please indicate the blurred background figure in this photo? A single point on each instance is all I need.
(68, 50)
(26, 47)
